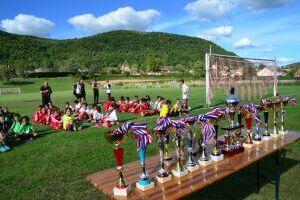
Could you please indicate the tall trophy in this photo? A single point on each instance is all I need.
(248, 120)
(256, 111)
(208, 134)
(191, 162)
(275, 106)
(283, 102)
(266, 103)
(143, 139)
(116, 137)
(180, 169)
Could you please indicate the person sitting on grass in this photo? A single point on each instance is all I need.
(36, 115)
(83, 113)
(8, 116)
(27, 130)
(111, 102)
(97, 117)
(68, 105)
(177, 109)
(16, 126)
(4, 131)
(56, 120)
(148, 99)
(134, 104)
(77, 105)
(69, 122)
(145, 108)
(111, 117)
(158, 103)
(165, 109)
(40, 116)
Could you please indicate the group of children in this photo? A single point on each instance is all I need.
(69, 119)
(144, 106)
(13, 125)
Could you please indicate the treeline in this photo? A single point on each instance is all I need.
(144, 51)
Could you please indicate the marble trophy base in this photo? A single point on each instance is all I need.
(248, 145)
(145, 187)
(217, 157)
(163, 179)
(257, 141)
(192, 168)
(283, 132)
(205, 163)
(122, 191)
(267, 137)
(180, 173)
(275, 135)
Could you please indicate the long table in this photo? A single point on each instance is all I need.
(180, 187)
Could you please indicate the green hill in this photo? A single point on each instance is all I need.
(109, 49)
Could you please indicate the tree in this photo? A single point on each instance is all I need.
(180, 68)
(72, 65)
(153, 64)
(7, 72)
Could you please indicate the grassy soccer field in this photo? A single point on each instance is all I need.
(55, 165)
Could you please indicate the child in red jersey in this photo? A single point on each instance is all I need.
(36, 115)
(56, 120)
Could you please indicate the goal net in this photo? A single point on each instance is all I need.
(252, 78)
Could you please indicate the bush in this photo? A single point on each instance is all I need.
(50, 74)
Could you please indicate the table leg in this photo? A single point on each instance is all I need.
(277, 175)
(257, 177)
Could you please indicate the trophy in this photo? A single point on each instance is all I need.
(256, 109)
(143, 139)
(208, 130)
(163, 175)
(115, 137)
(238, 133)
(216, 154)
(266, 105)
(180, 170)
(248, 120)
(275, 105)
(167, 156)
(283, 102)
(191, 163)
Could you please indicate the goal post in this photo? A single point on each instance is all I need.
(252, 77)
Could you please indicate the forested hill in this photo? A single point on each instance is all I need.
(109, 49)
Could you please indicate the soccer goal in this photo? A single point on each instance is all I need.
(252, 78)
(10, 91)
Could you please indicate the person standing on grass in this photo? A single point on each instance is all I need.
(46, 92)
(95, 86)
(79, 91)
(185, 94)
(107, 88)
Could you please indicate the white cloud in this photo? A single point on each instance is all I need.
(285, 60)
(243, 43)
(269, 50)
(264, 4)
(28, 25)
(217, 33)
(123, 18)
(209, 10)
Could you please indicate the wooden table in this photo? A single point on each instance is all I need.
(180, 187)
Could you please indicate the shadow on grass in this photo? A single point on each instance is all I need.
(18, 83)
(243, 183)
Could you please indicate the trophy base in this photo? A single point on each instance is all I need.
(145, 187)
(205, 163)
(122, 191)
(275, 136)
(283, 132)
(232, 151)
(248, 144)
(257, 141)
(163, 179)
(267, 137)
(180, 173)
(193, 168)
(217, 158)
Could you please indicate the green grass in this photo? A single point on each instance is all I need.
(55, 166)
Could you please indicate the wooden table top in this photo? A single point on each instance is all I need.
(194, 181)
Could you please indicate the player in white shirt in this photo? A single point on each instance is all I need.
(107, 88)
(185, 94)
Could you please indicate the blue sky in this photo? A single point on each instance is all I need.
(250, 28)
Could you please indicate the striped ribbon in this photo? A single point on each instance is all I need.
(290, 100)
(142, 135)
(265, 102)
(208, 131)
(254, 110)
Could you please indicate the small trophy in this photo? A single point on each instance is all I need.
(143, 139)
(216, 154)
(122, 188)
(257, 137)
(163, 175)
(266, 105)
(191, 163)
(180, 170)
(204, 160)
(248, 119)
(283, 102)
